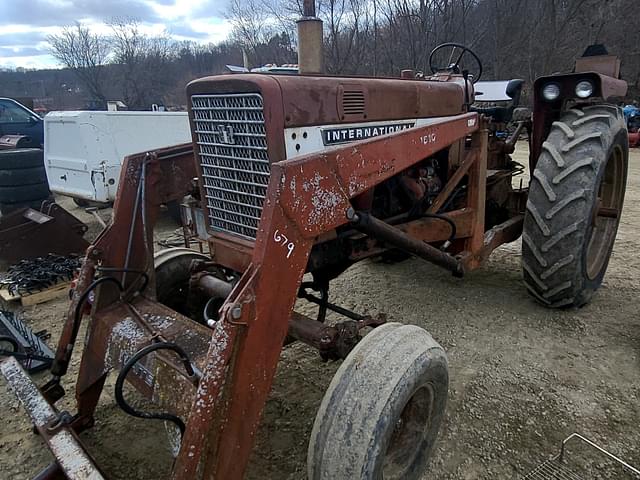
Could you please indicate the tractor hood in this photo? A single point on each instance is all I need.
(305, 100)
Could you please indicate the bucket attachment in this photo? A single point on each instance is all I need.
(30, 233)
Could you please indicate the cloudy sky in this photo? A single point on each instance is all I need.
(25, 24)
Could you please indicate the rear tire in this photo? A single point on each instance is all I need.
(382, 411)
(574, 205)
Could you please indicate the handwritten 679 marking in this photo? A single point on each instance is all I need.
(284, 241)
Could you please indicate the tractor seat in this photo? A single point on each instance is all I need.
(505, 93)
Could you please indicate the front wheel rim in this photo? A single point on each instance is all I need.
(406, 441)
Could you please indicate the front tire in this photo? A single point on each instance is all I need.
(382, 411)
(574, 205)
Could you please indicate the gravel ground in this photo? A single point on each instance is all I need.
(522, 377)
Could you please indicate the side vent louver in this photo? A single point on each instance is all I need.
(352, 102)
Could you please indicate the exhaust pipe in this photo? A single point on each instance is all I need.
(310, 51)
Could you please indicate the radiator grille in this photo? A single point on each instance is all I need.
(230, 133)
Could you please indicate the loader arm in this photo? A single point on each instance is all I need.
(307, 196)
(237, 358)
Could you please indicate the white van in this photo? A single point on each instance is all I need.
(84, 150)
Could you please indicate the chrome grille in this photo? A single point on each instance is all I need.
(230, 133)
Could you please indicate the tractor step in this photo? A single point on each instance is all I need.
(70, 455)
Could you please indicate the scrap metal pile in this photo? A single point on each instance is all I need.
(29, 276)
(18, 340)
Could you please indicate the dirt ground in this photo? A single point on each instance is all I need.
(522, 377)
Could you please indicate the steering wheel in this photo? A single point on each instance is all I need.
(454, 65)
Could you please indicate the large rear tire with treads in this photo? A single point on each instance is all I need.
(574, 206)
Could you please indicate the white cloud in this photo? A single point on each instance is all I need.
(32, 61)
(198, 20)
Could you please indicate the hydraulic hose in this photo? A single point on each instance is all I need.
(83, 298)
(209, 318)
(451, 223)
(122, 403)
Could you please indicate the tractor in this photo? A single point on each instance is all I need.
(298, 177)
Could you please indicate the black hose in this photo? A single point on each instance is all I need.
(95, 283)
(142, 274)
(451, 223)
(207, 307)
(83, 298)
(129, 365)
(59, 367)
(417, 211)
(59, 370)
(452, 197)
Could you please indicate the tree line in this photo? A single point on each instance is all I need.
(514, 39)
(134, 67)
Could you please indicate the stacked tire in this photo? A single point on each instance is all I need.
(23, 179)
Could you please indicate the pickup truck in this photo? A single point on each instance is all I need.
(16, 119)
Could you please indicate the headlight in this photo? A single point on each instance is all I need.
(551, 91)
(584, 89)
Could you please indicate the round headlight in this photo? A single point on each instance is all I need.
(551, 91)
(584, 89)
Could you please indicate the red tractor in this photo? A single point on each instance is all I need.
(308, 174)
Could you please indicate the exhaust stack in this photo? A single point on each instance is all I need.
(310, 40)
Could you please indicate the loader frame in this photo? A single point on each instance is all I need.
(234, 362)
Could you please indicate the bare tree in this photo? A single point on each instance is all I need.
(251, 27)
(144, 63)
(77, 48)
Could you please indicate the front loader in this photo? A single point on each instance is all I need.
(298, 178)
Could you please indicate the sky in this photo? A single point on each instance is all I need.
(25, 24)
